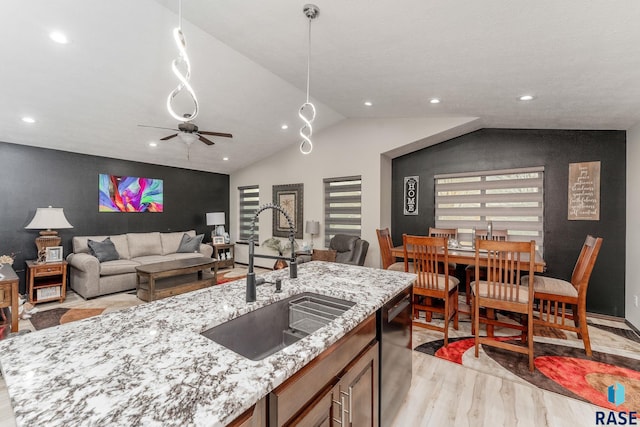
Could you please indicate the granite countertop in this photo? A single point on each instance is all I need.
(148, 365)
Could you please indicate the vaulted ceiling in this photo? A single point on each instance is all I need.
(579, 59)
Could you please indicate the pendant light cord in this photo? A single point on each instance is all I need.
(307, 111)
(308, 60)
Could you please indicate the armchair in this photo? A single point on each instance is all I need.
(346, 250)
(350, 249)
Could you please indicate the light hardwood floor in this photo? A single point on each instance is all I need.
(446, 394)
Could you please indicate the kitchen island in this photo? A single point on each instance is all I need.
(149, 364)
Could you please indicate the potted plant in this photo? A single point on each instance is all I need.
(280, 247)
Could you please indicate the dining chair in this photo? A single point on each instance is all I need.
(448, 233)
(470, 270)
(388, 260)
(556, 296)
(502, 290)
(424, 254)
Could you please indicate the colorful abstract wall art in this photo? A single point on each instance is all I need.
(130, 194)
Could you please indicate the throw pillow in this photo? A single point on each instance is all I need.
(104, 251)
(190, 244)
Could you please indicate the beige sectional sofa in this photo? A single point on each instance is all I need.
(91, 278)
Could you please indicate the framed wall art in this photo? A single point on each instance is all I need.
(290, 198)
(130, 194)
(584, 191)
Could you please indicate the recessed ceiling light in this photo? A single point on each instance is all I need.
(526, 97)
(58, 37)
(28, 120)
(225, 158)
(284, 127)
(434, 101)
(153, 144)
(368, 103)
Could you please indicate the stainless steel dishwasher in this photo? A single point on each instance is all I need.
(394, 335)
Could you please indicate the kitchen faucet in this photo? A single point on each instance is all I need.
(293, 266)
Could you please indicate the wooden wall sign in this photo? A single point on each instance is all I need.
(584, 191)
(411, 195)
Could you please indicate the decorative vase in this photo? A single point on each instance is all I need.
(280, 264)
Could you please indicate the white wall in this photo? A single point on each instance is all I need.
(632, 283)
(352, 147)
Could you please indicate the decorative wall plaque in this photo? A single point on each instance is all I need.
(411, 195)
(290, 198)
(584, 191)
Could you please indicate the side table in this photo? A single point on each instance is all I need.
(224, 254)
(47, 281)
(9, 293)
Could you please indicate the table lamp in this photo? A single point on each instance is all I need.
(313, 228)
(216, 219)
(48, 219)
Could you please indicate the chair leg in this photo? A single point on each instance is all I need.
(476, 324)
(491, 314)
(584, 331)
(530, 340)
(469, 273)
(446, 316)
(473, 316)
(455, 308)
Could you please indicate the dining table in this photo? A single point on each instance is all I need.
(467, 255)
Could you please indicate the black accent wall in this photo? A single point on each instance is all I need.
(35, 177)
(489, 149)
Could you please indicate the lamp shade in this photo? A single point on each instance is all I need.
(312, 227)
(215, 218)
(48, 219)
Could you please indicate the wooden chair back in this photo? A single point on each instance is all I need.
(556, 299)
(425, 254)
(507, 262)
(502, 235)
(502, 290)
(449, 233)
(584, 266)
(384, 240)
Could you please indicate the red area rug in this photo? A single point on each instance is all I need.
(562, 369)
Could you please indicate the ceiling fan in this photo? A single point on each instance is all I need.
(187, 131)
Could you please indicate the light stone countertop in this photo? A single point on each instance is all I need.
(148, 365)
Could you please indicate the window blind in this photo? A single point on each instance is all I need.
(249, 203)
(342, 206)
(511, 199)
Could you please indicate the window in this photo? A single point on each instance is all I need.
(249, 203)
(511, 199)
(342, 206)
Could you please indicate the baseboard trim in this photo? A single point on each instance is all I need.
(633, 328)
(607, 317)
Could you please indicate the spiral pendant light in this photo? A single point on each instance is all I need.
(307, 112)
(182, 60)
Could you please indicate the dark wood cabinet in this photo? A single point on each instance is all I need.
(339, 386)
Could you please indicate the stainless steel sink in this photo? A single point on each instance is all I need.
(267, 330)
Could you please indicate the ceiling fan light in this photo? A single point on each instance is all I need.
(188, 138)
